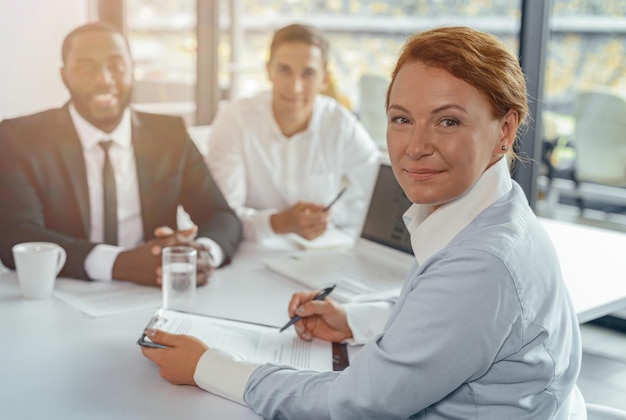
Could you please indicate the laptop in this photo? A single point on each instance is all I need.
(376, 264)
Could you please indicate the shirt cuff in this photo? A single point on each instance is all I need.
(366, 320)
(223, 373)
(257, 226)
(217, 254)
(99, 262)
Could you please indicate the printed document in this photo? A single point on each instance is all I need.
(254, 342)
(97, 299)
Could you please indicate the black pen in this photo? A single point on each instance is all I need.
(320, 296)
(343, 190)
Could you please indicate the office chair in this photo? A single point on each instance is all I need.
(372, 94)
(603, 412)
(600, 140)
(579, 409)
(600, 137)
(558, 148)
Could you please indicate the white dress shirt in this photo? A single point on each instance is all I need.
(99, 263)
(261, 171)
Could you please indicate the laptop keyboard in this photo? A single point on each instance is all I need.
(358, 274)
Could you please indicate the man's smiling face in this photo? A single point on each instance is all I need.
(98, 73)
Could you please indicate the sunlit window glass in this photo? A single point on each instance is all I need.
(162, 36)
(584, 162)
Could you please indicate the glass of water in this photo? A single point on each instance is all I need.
(179, 277)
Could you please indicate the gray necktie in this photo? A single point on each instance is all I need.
(109, 196)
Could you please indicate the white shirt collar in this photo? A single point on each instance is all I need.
(431, 230)
(313, 121)
(90, 136)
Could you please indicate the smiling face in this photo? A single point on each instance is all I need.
(441, 133)
(98, 74)
(298, 75)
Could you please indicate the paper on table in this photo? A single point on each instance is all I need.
(331, 238)
(105, 298)
(254, 342)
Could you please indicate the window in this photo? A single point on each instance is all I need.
(586, 49)
(365, 39)
(585, 91)
(162, 36)
(365, 36)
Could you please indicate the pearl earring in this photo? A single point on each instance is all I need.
(504, 147)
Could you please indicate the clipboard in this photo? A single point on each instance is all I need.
(258, 342)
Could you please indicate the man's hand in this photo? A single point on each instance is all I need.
(177, 363)
(142, 265)
(305, 219)
(324, 319)
(204, 262)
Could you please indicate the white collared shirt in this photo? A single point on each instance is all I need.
(261, 171)
(430, 232)
(99, 263)
(442, 225)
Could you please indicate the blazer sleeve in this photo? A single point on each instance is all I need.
(30, 178)
(171, 172)
(203, 200)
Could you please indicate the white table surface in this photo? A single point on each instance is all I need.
(594, 266)
(56, 362)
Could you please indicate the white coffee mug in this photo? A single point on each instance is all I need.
(37, 265)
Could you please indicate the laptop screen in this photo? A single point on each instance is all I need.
(383, 223)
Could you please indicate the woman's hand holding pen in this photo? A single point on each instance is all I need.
(324, 319)
(308, 220)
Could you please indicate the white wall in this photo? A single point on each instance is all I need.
(31, 33)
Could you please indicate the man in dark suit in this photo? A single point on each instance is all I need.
(53, 174)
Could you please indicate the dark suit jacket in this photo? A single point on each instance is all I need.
(44, 195)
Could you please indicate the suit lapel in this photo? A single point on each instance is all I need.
(70, 151)
(158, 157)
(142, 139)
